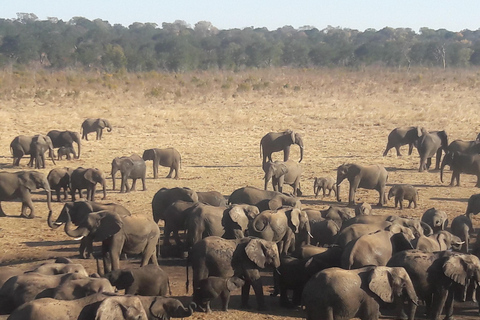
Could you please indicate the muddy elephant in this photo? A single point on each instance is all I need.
(461, 163)
(35, 146)
(283, 172)
(18, 185)
(436, 219)
(263, 199)
(149, 280)
(66, 139)
(98, 306)
(278, 141)
(404, 192)
(212, 287)
(168, 157)
(95, 125)
(134, 234)
(367, 177)
(324, 184)
(87, 178)
(430, 144)
(462, 227)
(79, 211)
(214, 256)
(132, 167)
(436, 275)
(401, 136)
(336, 293)
(439, 241)
(166, 196)
(58, 179)
(165, 308)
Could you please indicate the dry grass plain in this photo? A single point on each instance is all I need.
(216, 120)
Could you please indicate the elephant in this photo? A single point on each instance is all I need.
(18, 185)
(65, 152)
(461, 163)
(98, 306)
(236, 219)
(132, 167)
(375, 248)
(469, 146)
(336, 293)
(213, 198)
(363, 209)
(35, 146)
(66, 139)
(337, 214)
(473, 206)
(429, 144)
(290, 275)
(59, 178)
(79, 288)
(60, 268)
(462, 227)
(168, 157)
(368, 177)
(323, 232)
(439, 241)
(6, 272)
(133, 234)
(210, 288)
(324, 184)
(436, 275)
(95, 125)
(165, 197)
(165, 308)
(401, 136)
(278, 141)
(214, 256)
(404, 192)
(149, 280)
(175, 220)
(280, 172)
(87, 178)
(263, 199)
(202, 221)
(436, 219)
(79, 211)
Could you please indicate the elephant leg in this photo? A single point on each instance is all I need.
(2, 213)
(429, 163)
(155, 168)
(387, 148)
(353, 189)
(57, 191)
(438, 157)
(134, 184)
(398, 151)
(107, 258)
(478, 181)
(449, 306)
(169, 175)
(149, 253)
(258, 289)
(286, 153)
(27, 203)
(144, 185)
(225, 296)
(245, 294)
(438, 302)
(410, 149)
(401, 203)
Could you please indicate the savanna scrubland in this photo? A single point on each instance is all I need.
(216, 119)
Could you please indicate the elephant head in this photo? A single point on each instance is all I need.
(283, 200)
(447, 240)
(77, 211)
(274, 170)
(436, 219)
(363, 209)
(345, 171)
(390, 282)
(33, 180)
(121, 307)
(121, 279)
(148, 154)
(166, 308)
(94, 176)
(448, 159)
(262, 253)
(336, 214)
(236, 218)
(462, 268)
(103, 123)
(101, 225)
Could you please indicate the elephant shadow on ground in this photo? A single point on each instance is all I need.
(393, 169)
(50, 243)
(322, 202)
(451, 199)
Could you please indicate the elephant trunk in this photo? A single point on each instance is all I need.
(80, 232)
(444, 163)
(50, 222)
(46, 186)
(412, 296)
(301, 153)
(267, 178)
(338, 192)
(77, 139)
(114, 171)
(104, 186)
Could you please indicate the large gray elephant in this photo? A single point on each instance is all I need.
(439, 241)
(168, 157)
(166, 196)
(132, 167)
(462, 227)
(263, 199)
(98, 306)
(283, 172)
(66, 139)
(461, 163)
(18, 185)
(436, 275)
(35, 146)
(336, 293)
(436, 219)
(402, 136)
(95, 125)
(78, 212)
(278, 141)
(465, 146)
(149, 280)
(59, 178)
(429, 144)
(87, 178)
(134, 234)
(367, 177)
(215, 256)
(236, 220)
(202, 221)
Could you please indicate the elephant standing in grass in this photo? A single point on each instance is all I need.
(429, 144)
(278, 141)
(461, 163)
(283, 172)
(168, 157)
(367, 177)
(59, 178)
(66, 139)
(95, 125)
(402, 136)
(87, 178)
(324, 184)
(132, 167)
(18, 185)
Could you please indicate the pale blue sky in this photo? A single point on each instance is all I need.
(227, 14)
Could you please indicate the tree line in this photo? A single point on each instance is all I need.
(85, 44)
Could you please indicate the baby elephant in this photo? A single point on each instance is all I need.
(324, 184)
(149, 280)
(404, 192)
(65, 151)
(212, 287)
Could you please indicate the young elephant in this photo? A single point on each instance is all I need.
(65, 151)
(404, 192)
(462, 227)
(59, 178)
(149, 280)
(210, 288)
(324, 184)
(336, 293)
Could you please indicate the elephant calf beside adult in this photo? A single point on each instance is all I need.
(132, 167)
(95, 125)
(35, 146)
(280, 141)
(283, 172)
(168, 157)
(66, 139)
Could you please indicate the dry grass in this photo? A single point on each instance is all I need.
(216, 120)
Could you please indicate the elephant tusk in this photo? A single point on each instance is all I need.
(278, 271)
(79, 238)
(310, 235)
(58, 223)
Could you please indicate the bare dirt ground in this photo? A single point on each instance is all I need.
(216, 121)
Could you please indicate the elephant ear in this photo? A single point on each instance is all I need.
(107, 223)
(238, 216)
(27, 181)
(400, 242)
(251, 212)
(113, 308)
(280, 170)
(89, 175)
(126, 279)
(294, 218)
(381, 283)
(454, 268)
(255, 253)
(292, 134)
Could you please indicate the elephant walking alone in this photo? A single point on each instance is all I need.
(168, 157)
(280, 141)
(95, 125)
(132, 167)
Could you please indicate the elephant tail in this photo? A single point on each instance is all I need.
(187, 283)
(260, 149)
(260, 223)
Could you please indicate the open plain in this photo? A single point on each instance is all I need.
(216, 120)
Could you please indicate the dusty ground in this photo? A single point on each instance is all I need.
(216, 121)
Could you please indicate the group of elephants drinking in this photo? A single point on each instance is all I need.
(339, 263)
